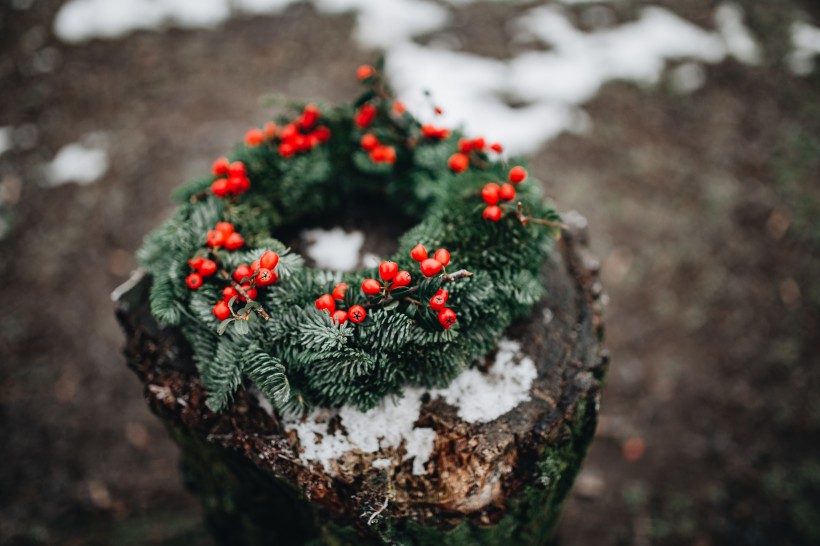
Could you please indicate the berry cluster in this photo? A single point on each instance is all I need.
(429, 268)
(298, 136)
(328, 302)
(435, 133)
(391, 278)
(232, 178)
(224, 235)
(379, 153)
(203, 267)
(475, 148)
(492, 193)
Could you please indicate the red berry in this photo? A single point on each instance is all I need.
(269, 259)
(442, 256)
(286, 149)
(507, 192)
(254, 137)
(447, 317)
(439, 300)
(399, 107)
(465, 145)
(388, 270)
(369, 141)
(234, 241)
(225, 227)
(340, 317)
(478, 144)
(339, 291)
(497, 148)
(326, 303)
(237, 169)
(220, 167)
(438, 110)
(490, 193)
(238, 184)
(194, 281)
(242, 272)
(255, 267)
(220, 187)
(458, 163)
(430, 267)
(322, 133)
(388, 154)
(222, 311)
(431, 131)
(270, 129)
(365, 116)
(251, 292)
(402, 278)
(371, 287)
(419, 253)
(310, 115)
(365, 71)
(492, 213)
(215, 238)
(517, 175)
(228, 293)
(356, 314)
(195, 263)
(265, 277)
(207, 268)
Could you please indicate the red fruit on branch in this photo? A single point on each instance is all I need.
(225, 227)
(339, 291)
(270, 129)
(207, 268)
(388, 270)
(430, 267)
(517, 175)
(251, 292)
(402, 278)
(489, 193)
(371, 287)
(234, 241)
(195, 263)
(365, 116)
(447, 317)
(326, 303)
(254, 137)
(419, 253)
(369, 142)
(220, 187)
(433, 132)
(222, 311)
(215, 238)
(356, 314)
(237, 169)
(241, 272)
(458, 163)
(339, 317)
(220, 166)
(465, 145)
(492, 213)
(194, 281)
(478, 144)
(442, 256)
(269, 259)
(322, 133)
(497, 148)
(439, 300)
(506, 192)
(310, 115)
(365, 71)
(286, 149)
(229, 292)
(399, 108)
(265, 277)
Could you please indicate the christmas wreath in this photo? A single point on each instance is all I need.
(251, 309)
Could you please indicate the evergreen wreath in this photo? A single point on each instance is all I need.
(251, 309)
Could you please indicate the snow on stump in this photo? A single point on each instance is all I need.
(486, 461)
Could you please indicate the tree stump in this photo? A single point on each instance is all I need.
(484, 482)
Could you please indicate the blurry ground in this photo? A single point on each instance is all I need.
(702, 206)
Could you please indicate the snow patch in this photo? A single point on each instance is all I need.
(77, 163)
(479, 398)
(806, 44)
(687, 77)
(335, 248)
(739, 41)
(5, 139)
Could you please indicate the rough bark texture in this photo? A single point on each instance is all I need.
(496, 483)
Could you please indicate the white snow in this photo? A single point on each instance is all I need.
(806, 44)
(739, 41)
(77, 163)
(5, 139)
(687, 77)
(479, 398)
(335, 248)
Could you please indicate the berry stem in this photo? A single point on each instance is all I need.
(524, 219)
(238, 287)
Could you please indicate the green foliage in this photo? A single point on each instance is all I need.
(300, 356)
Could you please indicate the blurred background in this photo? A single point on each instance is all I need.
(688, 134)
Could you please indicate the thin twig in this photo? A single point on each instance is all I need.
(542, 221)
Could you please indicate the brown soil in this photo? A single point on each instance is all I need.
(702, 207)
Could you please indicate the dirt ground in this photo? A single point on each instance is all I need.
(703, 208)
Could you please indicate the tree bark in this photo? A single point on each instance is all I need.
(496, 483)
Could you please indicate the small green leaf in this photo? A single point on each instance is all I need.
(392, 305)
(399, 293)
(223, 326)
(242, 327)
